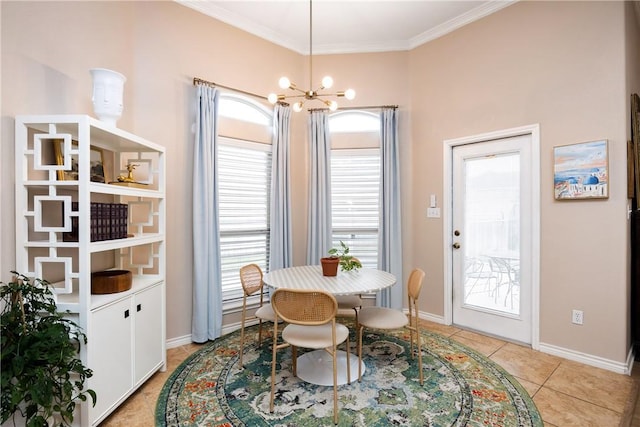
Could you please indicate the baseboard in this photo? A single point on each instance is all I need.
(430, 317)
(179, 341)
(186, 339)
(588, 359)
(591, 360)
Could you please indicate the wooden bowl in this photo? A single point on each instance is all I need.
(110, 281)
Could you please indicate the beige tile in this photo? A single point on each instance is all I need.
(561, 410)
(598, 386)
(530, 387)
(439, 328)
(481, 343)
(525, 363)
(135, 411)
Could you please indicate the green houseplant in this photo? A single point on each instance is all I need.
(42, 376)
(347, 262)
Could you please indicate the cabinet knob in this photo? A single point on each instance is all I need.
(139, 307)
(126, 314)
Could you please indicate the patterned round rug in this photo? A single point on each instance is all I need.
(461, 388)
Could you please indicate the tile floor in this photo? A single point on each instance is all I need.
(566, 393)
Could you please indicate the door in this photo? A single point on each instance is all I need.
(148, 338)
(109, 350)
(492, 237)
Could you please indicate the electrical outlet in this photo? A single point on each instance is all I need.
(577, 317)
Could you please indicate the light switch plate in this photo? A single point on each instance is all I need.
(433, 213)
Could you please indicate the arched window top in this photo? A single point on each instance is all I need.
(242, 108)
(354, 121)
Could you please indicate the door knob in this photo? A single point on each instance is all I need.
(456, 245)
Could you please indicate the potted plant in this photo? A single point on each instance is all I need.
(339, 256)
(42, 376)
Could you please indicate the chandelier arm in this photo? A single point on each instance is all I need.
(290, 96)
(296, 88)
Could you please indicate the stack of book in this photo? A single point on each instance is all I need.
(108, 222)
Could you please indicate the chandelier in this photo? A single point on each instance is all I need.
(311, 94)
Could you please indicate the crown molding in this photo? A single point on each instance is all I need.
(241, 22)
(302, 47)
(460, 21)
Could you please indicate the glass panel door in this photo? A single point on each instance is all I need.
(492, 230)
(491, 220)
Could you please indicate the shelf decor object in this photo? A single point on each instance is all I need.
(68, 229)
(110, 281)
(108, 94)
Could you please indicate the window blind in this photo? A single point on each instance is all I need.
(244, 179)
(355, 202)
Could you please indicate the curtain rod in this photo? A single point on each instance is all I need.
(197, 81)
(368, 107)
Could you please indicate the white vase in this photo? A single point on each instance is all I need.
(108, 90)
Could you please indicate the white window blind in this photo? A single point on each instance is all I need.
(355, 202)
(244, 179)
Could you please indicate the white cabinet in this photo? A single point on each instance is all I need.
(110, 349)
(65, 166)
(126, 327)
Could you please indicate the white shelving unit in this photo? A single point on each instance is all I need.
(126, 330)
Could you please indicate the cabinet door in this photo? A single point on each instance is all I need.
(149, 348)
(109, 349)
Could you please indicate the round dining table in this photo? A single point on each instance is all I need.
(316, 366)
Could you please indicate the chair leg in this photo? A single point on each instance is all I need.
(273, 371)
(360, 353)
(348, 362)
(335, 384)
(419, 354)
(242, 340)
(259, 332)
(294, 360)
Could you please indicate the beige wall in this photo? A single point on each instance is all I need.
(561, 65)
(558, 64)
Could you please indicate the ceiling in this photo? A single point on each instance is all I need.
(348, 26)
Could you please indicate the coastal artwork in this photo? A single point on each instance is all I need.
(581, 171)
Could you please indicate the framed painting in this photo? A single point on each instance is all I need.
(581, 171)
(97, 168)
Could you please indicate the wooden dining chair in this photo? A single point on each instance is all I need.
(251, 279)
(311, 323)
(383, 318)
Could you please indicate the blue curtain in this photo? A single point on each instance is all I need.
(319, 231)
(280, 239)
(207, 295)
(390, 230)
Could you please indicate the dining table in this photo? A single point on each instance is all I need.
(316, 366)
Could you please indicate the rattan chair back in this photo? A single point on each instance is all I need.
(304, 307)
(414, 284)
(251, 278)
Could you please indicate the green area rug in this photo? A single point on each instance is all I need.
(461, 388)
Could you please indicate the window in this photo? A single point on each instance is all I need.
(244, 180)
(240, 108)
(355, 184)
